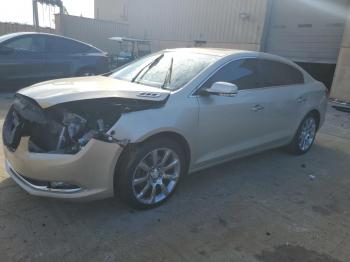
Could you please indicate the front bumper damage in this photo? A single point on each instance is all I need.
(91, 170)
(66, 151)
(59, 139)
(50, 154)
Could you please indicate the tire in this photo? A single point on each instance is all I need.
(305, 136)
(150, 173)
(86, 72)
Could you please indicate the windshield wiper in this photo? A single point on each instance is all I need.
(168, 74)
(149, 67)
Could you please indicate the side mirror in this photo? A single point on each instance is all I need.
(221, 88)
(4, 50)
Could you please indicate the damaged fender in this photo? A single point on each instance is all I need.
(67, 127)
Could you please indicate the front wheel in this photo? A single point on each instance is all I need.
(150, 174)
(305, 136)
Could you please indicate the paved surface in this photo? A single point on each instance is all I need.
(270, 207)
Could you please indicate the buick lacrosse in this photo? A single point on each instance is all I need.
(136, 132)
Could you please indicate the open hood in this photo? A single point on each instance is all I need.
(55, 92)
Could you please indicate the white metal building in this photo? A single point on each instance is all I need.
(309, 32)
(306, 31)
(175, 23)
(303, 30)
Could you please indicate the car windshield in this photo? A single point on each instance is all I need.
(167, 70)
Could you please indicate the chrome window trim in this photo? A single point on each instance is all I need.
(214, 72)
(245, 90)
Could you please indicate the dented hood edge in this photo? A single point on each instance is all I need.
(55, 92)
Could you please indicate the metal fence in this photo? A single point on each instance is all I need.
(92, 31)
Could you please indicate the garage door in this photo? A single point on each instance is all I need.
(306, 30)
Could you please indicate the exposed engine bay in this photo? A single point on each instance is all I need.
(66, 128)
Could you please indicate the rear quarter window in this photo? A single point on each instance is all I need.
(60, 45)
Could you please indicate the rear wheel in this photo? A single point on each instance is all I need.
(305, 136)
(150, 174)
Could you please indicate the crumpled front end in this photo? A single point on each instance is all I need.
(87, 175)
(64, 151)
(62, 129)
(67, 150)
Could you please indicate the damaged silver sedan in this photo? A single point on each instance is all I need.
(138, 131)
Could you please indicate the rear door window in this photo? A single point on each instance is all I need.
(273, 73)
(242, 73)
(58, 45)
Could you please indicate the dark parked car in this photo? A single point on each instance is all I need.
(27, 58)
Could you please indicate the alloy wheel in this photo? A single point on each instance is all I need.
(307, 134)
(156, 176)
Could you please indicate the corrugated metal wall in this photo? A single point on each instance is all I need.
(221, 23)
(112, 10)
(7, 28)
(341, 87)
(92, 31)
(307, 31)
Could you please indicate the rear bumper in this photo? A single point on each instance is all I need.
(91, 170)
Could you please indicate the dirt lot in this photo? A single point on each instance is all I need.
(270, 207)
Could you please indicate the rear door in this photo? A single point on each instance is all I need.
(282, 89)
(62, 55)
(25, 62)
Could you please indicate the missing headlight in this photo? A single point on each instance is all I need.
(66, 128)
(70, 126)
(71, 134)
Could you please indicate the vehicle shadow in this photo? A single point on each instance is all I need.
(218, 181)
(212, 198)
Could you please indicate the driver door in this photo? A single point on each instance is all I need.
(24, 62)
(230, 125)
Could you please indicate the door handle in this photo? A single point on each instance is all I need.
(258, 108)
(301, 99)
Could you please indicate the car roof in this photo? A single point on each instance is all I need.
(8, 36)
(221, 52)
(236, 53)
(12, 35)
